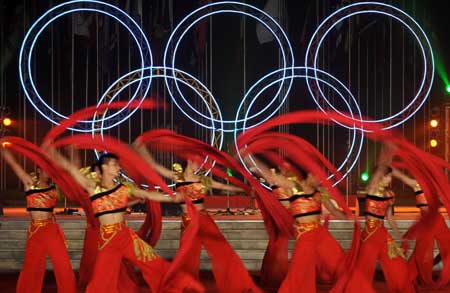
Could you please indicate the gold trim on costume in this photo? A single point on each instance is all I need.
(112, 229)
(35, 225)
(393, 250)
(143, 251)
(302, 228)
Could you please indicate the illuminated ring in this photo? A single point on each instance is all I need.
(227, 7)
(397, 14)
(26, 52)
(302, 72)
(157, 72)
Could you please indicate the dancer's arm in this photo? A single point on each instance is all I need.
(153, 195)
(264, 171)
(73, 170)
(260, 169)
(26, 179)
(145, 154)
(384, 160)
(331, 207)
(392, 223)
(226, 187)
(405, 179)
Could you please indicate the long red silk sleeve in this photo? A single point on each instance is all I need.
(185, 147)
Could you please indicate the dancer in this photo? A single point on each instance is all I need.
(229, 271)
(44, 235)
(116, 241)
(127, 280)
(421, 261)
(376, 242)
(315, 248)
(275, 262)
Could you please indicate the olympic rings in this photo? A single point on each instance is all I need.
(283, 77)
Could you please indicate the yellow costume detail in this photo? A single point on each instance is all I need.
(143, 251)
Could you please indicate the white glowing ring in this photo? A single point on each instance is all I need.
(388, 10)
(227, 7)
(302, 72)
(26, 51)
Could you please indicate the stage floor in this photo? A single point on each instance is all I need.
(401, 213)
(8, 284)
(17, 217)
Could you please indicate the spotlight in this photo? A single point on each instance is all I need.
(7, 121)
(365, 177)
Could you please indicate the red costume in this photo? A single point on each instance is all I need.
(229, 271)
(275, 263)
(316, 251)
(378, 244)
(421, 261)
(45, 237)
(117, 241)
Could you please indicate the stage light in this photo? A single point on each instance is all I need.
(229, 172)
(6, 144)
(433, 143)
(365, 177)
(447, 89)
(434, 123)
(7, 121)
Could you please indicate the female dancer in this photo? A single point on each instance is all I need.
(228, 269)
(275, 263)
(421, 261)
(116, 241)
(315, 248)
(44, 235)
(376, 242)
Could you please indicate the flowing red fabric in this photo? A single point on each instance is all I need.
(90, 111)
(275, 263)
(421, 261)
(184, 252)
(188, 148)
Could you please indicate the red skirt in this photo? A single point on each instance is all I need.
(316, 252)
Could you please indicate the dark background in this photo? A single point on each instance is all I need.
(79, 55)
